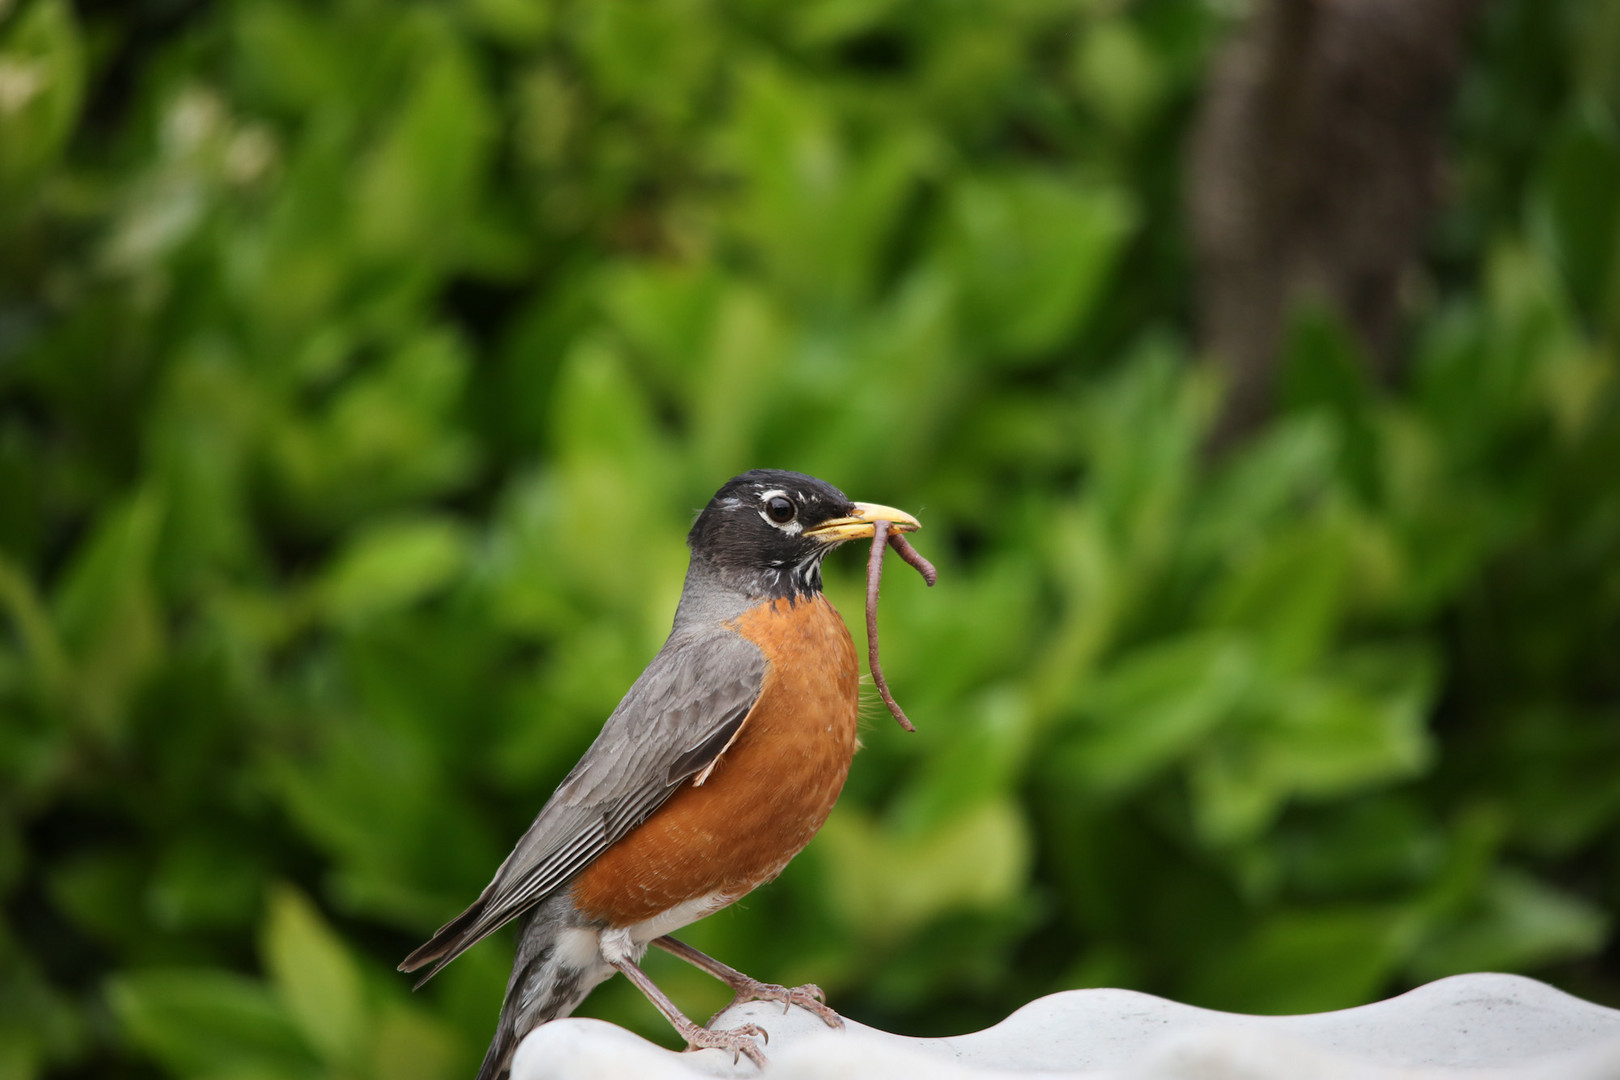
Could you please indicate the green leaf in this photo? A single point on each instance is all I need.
(314, 977)
(203, 1022)
(290, 59)
(1030, 254)
(20, 600)
(1156, 705)
(984, 760)
(659, 59)
(42, 71)
(389, 437)
(1118, 74)
(392, 565)
(1307, 961)
(100, 892)
(107, 610)
(40, 1023)
(1516, 923)
(1324, 368)
(204, 881)
(1577, 203)
(512, 22)
(1364, 724)
(421, 182)
(890, 885)
(1289, 592)
(111, 572)
(1264, 484)
(803, 171)
(1316, 737)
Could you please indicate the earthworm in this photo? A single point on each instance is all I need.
(911, 555)
(874, 576)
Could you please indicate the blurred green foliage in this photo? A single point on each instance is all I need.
(362, 363)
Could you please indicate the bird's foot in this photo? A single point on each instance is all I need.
(739, 1040)
(808, 996)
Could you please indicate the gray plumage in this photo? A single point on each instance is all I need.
(674, 721)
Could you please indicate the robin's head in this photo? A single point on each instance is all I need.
(765, 532)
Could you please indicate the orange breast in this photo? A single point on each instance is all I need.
(770, 791)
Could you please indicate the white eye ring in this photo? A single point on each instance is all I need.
(769, 512)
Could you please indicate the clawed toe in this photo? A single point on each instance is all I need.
(739, 1040)
(808, 997)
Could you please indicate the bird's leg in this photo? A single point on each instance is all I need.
(739, 1040)
(808, 996)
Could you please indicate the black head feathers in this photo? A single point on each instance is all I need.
(759, 531)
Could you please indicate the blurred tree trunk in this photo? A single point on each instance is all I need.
(1314, 167)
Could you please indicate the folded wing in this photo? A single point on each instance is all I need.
(677, 719)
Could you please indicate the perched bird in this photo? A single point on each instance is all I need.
(719, 765)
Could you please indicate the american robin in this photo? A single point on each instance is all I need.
(719, 765)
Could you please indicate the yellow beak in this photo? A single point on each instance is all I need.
(861, 524)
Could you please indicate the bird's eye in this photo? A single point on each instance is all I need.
(780, 509)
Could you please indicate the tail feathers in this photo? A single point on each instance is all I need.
(448, 942)
(545, 985)
(498, 1059)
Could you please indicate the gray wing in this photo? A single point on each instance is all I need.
(677, 718)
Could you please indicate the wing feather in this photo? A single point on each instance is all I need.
(675, 722)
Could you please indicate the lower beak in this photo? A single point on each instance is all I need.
(861, 523)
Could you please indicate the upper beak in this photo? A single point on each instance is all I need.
(862, 523)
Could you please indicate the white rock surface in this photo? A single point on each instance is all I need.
(1468, 1027)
